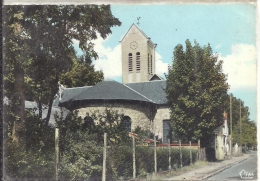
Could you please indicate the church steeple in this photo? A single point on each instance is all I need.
(138, 56)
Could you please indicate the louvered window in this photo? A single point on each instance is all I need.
(138, 61)
(151, 64)
(130, 62)
(148, 62)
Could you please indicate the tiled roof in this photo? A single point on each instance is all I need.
(29, 105)
(106, 90)
(154, 90)
(69, 93)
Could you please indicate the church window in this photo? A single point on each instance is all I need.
(138, 61)
(130, 62)
(127, 123)
(148, 63)
(151, 64)
(88, 121)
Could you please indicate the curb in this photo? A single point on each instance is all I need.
(227, 166)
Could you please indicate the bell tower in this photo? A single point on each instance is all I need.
(138, 56)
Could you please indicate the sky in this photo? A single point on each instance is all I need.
(230, 29)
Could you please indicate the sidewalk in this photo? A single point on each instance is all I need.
(209, 169)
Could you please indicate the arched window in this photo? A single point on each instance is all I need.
(88, 121)
(151, 64)
(127, 123)
(138, 61)
(130, 62)
(148, 61)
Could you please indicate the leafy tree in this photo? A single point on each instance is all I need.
(196, 88)
(248, 127)
(236, 104)
(81, 74)
(38, 43)
(248, 135)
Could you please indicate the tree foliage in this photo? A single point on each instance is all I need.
(248, 132)
(82, 140)
(82, 73)
(196, 88)
(38, 43)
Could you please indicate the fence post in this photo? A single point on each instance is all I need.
(180, 153)
(155, 156)
(56, 153)
(190, 154)
(199, 150)
(104, 158)
(169, 147)
(134, 163)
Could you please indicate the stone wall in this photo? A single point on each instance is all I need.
(163, 113)
(138, 113)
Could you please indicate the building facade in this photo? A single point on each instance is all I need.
(140, 97)
(138, 56)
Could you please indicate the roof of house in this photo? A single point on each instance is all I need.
(105, 90)
(154, 90)
(31, 105)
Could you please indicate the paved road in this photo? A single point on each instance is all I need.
(249, 166)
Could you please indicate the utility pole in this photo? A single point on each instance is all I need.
(240, 138)
(230, 110)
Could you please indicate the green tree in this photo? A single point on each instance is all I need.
(196, 88)
(247, 133)
(38, 43)
(81, 74)
(236, 104)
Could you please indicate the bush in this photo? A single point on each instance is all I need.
(80, 158)
(35, 158)
(120, 160)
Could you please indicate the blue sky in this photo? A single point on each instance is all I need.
(230, 29)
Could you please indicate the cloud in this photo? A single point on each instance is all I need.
(240, 66)
(109, 59)
(161, 67)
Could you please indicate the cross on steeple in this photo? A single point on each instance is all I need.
(138, 20)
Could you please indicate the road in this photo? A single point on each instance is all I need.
(248, 168)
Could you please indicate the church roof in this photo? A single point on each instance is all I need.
(156, 77)
(133, 25)
(154, 90)
(69, 93)
(105, 90)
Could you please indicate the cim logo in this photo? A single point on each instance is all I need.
(246, 175)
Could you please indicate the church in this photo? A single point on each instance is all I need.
(141, 96)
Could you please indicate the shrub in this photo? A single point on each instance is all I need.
(35, 158)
